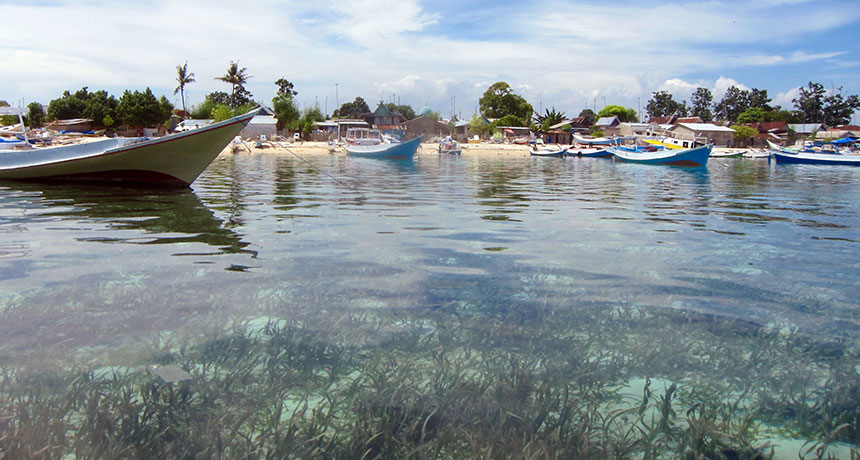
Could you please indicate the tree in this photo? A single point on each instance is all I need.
(500, 100)
(352, 109)
(479, 125)
(310, 115)
(509, 120)
(285, 110)
(184, 77)
(810, 102)
(35, 115)
(212, 100)
(743, 132)
(143, 109)
(405, 110)
(96, 106)
(752, 115)
(624, 114)
(701, 101)
(733, 103)
(237, 78)
(780, 114)
(589, 116)
(285, 87)
(758, 98)
(838, 110)
(662, 104)
(550, 118)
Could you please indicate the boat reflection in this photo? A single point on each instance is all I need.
(163, 216)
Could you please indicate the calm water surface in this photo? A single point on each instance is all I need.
(93, 276)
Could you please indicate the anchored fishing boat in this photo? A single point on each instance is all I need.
(589, 152)
(174, 160)
(449, 146)
(812, 157)
(371, 143)
(695, 157)
(547, 152)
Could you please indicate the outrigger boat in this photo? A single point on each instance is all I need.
(371, 143)
(695, 157)
(449, 146)
(589, 152)
(723, 153)
(173, 160)
(784, 155)
(547, 152)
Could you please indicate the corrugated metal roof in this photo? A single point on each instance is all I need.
(709, 127)
(805, 128)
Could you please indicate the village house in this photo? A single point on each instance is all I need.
(430, 128)
(609, 125)
(705, 133)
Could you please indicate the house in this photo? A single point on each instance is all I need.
(838, 133)
(558, 136)
(773, 131)
(260, 125)
(511, 133)
(667, 120)
(384, 119)
(634, 129)
(189, 124)
(694, 120)
(705, 133)
(609, 125)
(805, 129)
(430, 128)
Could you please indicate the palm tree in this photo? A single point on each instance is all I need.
(184, 77)
(236, 77)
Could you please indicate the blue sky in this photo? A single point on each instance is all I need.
(564, 54)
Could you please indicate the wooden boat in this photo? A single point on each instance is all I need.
(598, 140)
(695, 157)
(547, 152)
(814, 158)
(724, 153)
(174, 160)
(449, 146)
(371, 143)
(589, 152)
(757, 153)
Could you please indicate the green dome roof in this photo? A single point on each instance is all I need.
(426, 110)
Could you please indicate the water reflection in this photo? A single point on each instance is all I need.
(162, 216)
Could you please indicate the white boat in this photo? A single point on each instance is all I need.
(174, 160)
(547, 151)
(598, 140)
(727, 153)
(757, 153)
(373, 143)
(449, 146)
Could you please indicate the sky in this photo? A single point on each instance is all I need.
(565, 55)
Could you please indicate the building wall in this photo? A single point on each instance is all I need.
(430, 128)
(718, 138)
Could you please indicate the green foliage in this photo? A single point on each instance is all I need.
(285, 87)
(221, 112)
(310, 115)
(285, 111)
(752, 115)
(624, 114)
(596, 132)
(352, 109)
(212, 100)
(816, 106)
(140, 109)
(701, 104)
(84, 104)
(184, 77)
(237, 78)
(550, 118)
(589, 115)
(662, 104)
(744, 132)
(737, 100)
(509, 120)
(405, 110)
(479, 126)
(108, 121)
(36, 115)
(779, 114)
(500, 100)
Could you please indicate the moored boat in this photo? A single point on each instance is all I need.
(449, 146)
(695, 157)
(173, 160)
(371, 143)
(547, 152)
(726, 153)
(589, 152)
(810, 158)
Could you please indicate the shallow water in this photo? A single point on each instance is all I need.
(95, 277)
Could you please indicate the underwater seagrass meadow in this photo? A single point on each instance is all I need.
(446, 308)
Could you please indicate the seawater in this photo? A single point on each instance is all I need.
(732, 289)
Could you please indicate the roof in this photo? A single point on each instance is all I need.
(263, 120)
(607, 121)
(696, 120)
(706, 127)
(773, 126)
(662, 120)
(805, 128)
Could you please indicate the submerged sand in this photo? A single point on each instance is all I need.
(322, 148)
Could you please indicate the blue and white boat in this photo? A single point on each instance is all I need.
(547, 152)
(589, 152)
(695, 157)
(371, 143)
(813, 157)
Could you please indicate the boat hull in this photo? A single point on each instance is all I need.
(696, 157)
(816, 158)
(402, 151)
(589, 153)
(548, 153)
(174, 160)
